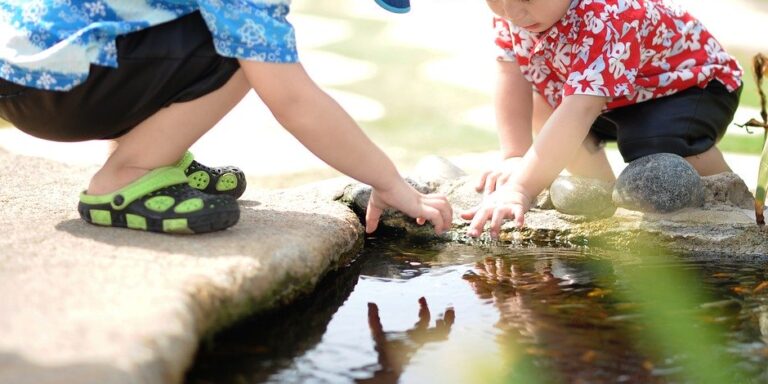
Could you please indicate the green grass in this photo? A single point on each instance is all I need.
(423, 116)
(749, 96)
(749, 144)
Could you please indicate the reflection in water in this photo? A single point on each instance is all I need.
(524, 315)
(559, 319)
(396, 349)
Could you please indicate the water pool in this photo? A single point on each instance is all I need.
(450, 313)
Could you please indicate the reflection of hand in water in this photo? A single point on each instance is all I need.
(395, 348)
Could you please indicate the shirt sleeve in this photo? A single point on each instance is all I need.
(251, 29)
(505, 49)
(606, 57)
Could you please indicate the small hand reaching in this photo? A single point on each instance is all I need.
(424, 207)
(505, 202)
(492, 179)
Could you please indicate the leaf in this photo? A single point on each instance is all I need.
(762, 183)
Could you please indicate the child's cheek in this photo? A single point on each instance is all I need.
(496, 8)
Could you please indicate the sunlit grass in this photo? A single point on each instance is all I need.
(423, 117)
(749, 96)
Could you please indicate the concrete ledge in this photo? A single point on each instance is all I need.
(81, 303)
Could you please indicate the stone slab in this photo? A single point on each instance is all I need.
(80, 303)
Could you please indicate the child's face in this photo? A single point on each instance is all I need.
(533, 15)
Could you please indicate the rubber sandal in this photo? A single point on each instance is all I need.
(215, 181)
(161, 201)
(396, 6)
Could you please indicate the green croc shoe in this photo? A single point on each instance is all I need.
(161, 201)
(215, 181)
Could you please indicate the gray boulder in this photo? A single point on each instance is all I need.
(661, 183)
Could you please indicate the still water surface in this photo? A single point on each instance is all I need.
(448, 313)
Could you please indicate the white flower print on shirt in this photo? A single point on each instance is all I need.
(6, 71)
(252, 33)
(593, 24)
(640, 53)
(618, 53)
(46, 80)
(591, 81)
(33, 11)
(95, 8)
(537, 71)
(663, 36)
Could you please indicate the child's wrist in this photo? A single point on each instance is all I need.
(523, 195)
(390, 184)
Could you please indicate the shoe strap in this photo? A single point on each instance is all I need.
(154, 180)
(185, 161)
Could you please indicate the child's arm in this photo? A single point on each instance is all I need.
(319, 123)
(553, 148)
(513, 103)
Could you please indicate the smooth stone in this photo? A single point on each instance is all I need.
(582, 196)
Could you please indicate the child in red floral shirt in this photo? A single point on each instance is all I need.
(577, 72)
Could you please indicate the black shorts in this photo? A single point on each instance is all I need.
(687, 123)
(169, 63)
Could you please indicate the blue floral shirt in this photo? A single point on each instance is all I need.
(50, 44)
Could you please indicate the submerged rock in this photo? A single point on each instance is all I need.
(662, 183)
(582, 196)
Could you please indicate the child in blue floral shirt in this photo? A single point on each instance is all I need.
(154, 76)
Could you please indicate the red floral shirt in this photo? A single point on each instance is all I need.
(627, 50)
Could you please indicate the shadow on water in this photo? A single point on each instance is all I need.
(532, 315)
(254, 349)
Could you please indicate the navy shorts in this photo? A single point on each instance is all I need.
(169, 63)
(687, 123)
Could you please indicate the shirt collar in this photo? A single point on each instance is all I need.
(559, 29)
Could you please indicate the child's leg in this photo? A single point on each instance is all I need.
(710, 162)
(590, 161)
(163, 138)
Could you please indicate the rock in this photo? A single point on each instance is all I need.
(435, 170)
(719, 228)
(582, 196)
(356, 196)
(544, 200)
(658, 183)
(727, 188)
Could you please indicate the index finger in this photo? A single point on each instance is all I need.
(372, 215)
(481, 182)
(478, 222)
(519, 213)
(442, 205)
(435, 217)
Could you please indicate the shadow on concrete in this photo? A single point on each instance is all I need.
(259, 232)
(248, 203)
(15, 369)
